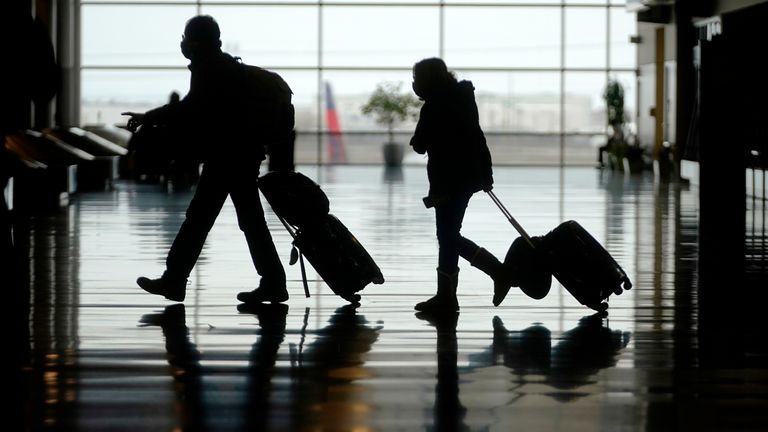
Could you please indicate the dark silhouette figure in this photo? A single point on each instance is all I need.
(459, 165)
(448, 412)
(30, 74)
(29, 77)
(215, 112)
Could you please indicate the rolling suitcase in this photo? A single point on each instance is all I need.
(576, 260)
(334, 252)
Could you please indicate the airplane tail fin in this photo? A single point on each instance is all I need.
(336, 151)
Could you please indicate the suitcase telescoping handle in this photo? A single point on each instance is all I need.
(292, 232)
(511, 219)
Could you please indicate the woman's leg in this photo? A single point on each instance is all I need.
(448, 218)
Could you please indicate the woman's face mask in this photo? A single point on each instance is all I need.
(417, 88)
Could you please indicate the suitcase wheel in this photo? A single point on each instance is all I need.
(600, 307)
(627, 283)
(618, 290)
(354, 299)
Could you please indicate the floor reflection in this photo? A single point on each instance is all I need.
(95, 353)
(315, 390)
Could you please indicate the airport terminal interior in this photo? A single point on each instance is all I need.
(677, 197)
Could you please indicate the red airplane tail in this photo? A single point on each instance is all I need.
(336, 151)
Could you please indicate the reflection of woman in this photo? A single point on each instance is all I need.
(459, 165)
(448, 412)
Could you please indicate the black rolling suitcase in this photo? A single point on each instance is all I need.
(337, 256)
(578, 261)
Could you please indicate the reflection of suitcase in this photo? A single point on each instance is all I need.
(577, 260)
(333, 251)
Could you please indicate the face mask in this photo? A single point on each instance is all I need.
(416, 89)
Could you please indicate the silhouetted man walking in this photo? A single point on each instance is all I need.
(214, 117)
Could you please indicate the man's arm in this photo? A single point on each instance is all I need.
(166, 114)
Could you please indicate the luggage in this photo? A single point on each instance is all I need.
(575, 259)
(337, 256)
(533, 275)
(294, 197)
(583, 266)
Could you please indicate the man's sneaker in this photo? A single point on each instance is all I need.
(174, 290)
(263, 294)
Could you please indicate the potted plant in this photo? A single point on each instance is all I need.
(389, 106)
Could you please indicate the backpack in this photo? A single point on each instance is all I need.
(268, 101)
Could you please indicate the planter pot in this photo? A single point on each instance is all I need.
(634, 157)
(393, 154)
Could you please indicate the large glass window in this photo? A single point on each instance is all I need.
(137, 35)
(272, 36)
(366, 36)
(622, 28)
(585, 37)
(539, 67)
(502, 37)
(517, 101)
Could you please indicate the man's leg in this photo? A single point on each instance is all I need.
(201, 214)
(250, 217)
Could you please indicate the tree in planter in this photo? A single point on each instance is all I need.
(614, 101)
(389, 106)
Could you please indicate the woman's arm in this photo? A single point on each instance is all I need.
(420, 139)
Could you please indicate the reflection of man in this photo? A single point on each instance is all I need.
(214, 111)
(184, 358)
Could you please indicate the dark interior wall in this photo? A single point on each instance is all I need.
(685, 91)
(732, 106)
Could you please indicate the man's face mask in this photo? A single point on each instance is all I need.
(187, 47)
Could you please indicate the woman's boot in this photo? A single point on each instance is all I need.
(445, 300)
(502, 276)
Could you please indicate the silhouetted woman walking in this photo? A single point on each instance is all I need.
(459, 165)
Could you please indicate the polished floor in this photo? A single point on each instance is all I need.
(105, 356)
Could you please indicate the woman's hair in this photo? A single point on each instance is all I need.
(431, 74)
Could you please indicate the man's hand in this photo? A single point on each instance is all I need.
(136, 120)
